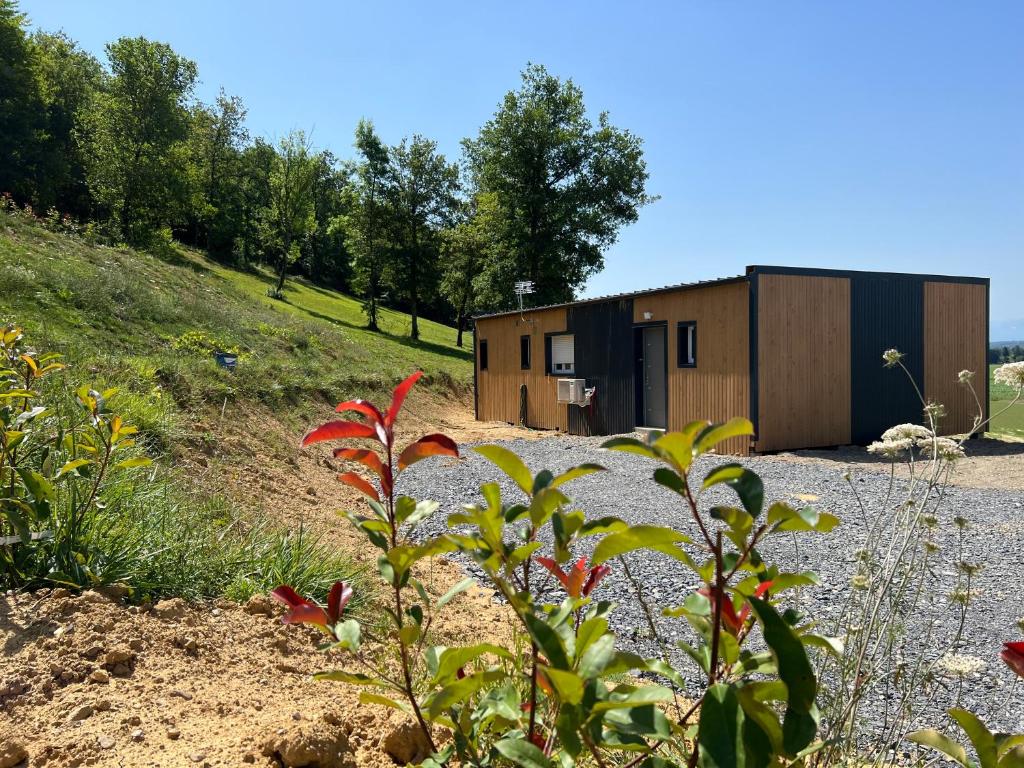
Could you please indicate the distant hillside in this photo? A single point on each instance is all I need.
(1001, 344)
(150, 324)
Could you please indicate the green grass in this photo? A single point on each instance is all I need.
(147, 324)
(1010, 423)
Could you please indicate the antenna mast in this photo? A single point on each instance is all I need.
(522, 288)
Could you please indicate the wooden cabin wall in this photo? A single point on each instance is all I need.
(955, 339)
(803, 354)
(718, 388)
(498, 386)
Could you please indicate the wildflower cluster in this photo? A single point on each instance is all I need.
(1010, 374)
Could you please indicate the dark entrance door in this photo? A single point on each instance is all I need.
(654, 375)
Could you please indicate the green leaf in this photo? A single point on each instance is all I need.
(460, 690)
(576, 472)
(736, 427)
(630, 445)
(671, 480)
(37, 485)
(458, 589)
(598, 655)
(785, 518)
(833, 645)
(747, 484)
(138, 461)
(451, 660)
(510, 464)
(795, 671)
(626, 696)
(73, 465)
(522, 752)
(654, 537)
(941, 743)
(719, 733)
(355, 678)
(644, 720)
(981, 737)
(600, 525)
(348, 635)
(548, 641)
(568, 685)
(677, 447)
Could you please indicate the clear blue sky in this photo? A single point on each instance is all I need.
(860, 135)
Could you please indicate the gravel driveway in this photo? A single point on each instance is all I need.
(626, 490)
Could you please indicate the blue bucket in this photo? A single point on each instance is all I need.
(226, 360)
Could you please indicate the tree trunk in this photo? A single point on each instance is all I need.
(284, 266)
(415, 333)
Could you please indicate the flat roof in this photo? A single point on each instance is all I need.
(752, 269)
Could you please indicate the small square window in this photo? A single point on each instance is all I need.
(524, 352)
(686, 333)
(563, 355)
(483, 354)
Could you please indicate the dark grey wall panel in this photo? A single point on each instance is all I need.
(886, 311)
(604, 357)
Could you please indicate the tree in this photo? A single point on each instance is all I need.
(21, 105)
(69, 80)
(421, 200)
(217, 137)
(135, 127)
(325, 257)
(290, 215)
(364, 223)
(465, 249)
(563, 187)
(255, 167)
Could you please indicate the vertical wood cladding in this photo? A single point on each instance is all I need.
(718, 387)
(604, 357)
(498, 386)
(955, 339)
(803, 361)
(886, 312)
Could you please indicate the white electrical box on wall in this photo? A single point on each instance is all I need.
(572, 391)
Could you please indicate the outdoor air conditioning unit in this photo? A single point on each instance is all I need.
(572, 391)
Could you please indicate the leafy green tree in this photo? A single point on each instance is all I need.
(364, 224)
(564, 187)
(325, 257)
(217, 137)
(135, 129)
(21, 104)
(421, 200)
(69, 80)
(255, 167)
(290, 215)
(466, 247)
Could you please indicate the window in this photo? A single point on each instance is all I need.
(483, 354)
(686, 332)
(524, 352)
(563, 354)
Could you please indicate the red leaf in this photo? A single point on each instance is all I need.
(360, 484)
(428, 445)
(368, 459)
(302, 611)
(368, 409)
(338, 598)
(336, 430)
(596, 574)
(399, 397)
(1013, 655)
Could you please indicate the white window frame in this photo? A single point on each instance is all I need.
(563, 354)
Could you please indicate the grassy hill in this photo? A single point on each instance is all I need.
(149, 324)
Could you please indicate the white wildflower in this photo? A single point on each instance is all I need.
(965, 376)
(959, 665)
(934, 411)
(860, 581)
(891, 357)
(1010, 374)
(891, 449)
(913, 432)
(945, 449)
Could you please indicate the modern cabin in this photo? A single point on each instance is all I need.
(797, 351)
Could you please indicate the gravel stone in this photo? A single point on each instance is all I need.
(626, 490)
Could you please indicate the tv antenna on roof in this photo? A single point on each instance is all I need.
(522, 288)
